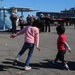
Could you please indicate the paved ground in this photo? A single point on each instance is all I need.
(40, 60)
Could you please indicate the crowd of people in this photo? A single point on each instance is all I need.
(45, 19)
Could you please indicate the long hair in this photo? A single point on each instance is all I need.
(37, 23)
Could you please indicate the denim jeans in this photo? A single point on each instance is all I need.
(26, 46)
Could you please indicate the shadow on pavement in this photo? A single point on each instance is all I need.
(60, 66)
(7, 64)
(2, 68)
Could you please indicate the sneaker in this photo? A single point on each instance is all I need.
(15, 62)
(66, 68)
(27, 68)
(52, 63)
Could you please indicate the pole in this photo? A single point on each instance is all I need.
(1, 2)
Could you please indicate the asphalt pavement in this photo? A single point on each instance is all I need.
(40, 61)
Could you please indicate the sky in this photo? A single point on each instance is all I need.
(41, 5)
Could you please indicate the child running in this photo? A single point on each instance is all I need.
(61, 46)
(31, 39)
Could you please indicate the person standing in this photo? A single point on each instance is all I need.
(31, 39)
(47, 26)
(13, 19)
(42, 19)
(62, 46)
(21, 22)
(33, 18)
(29, 19)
